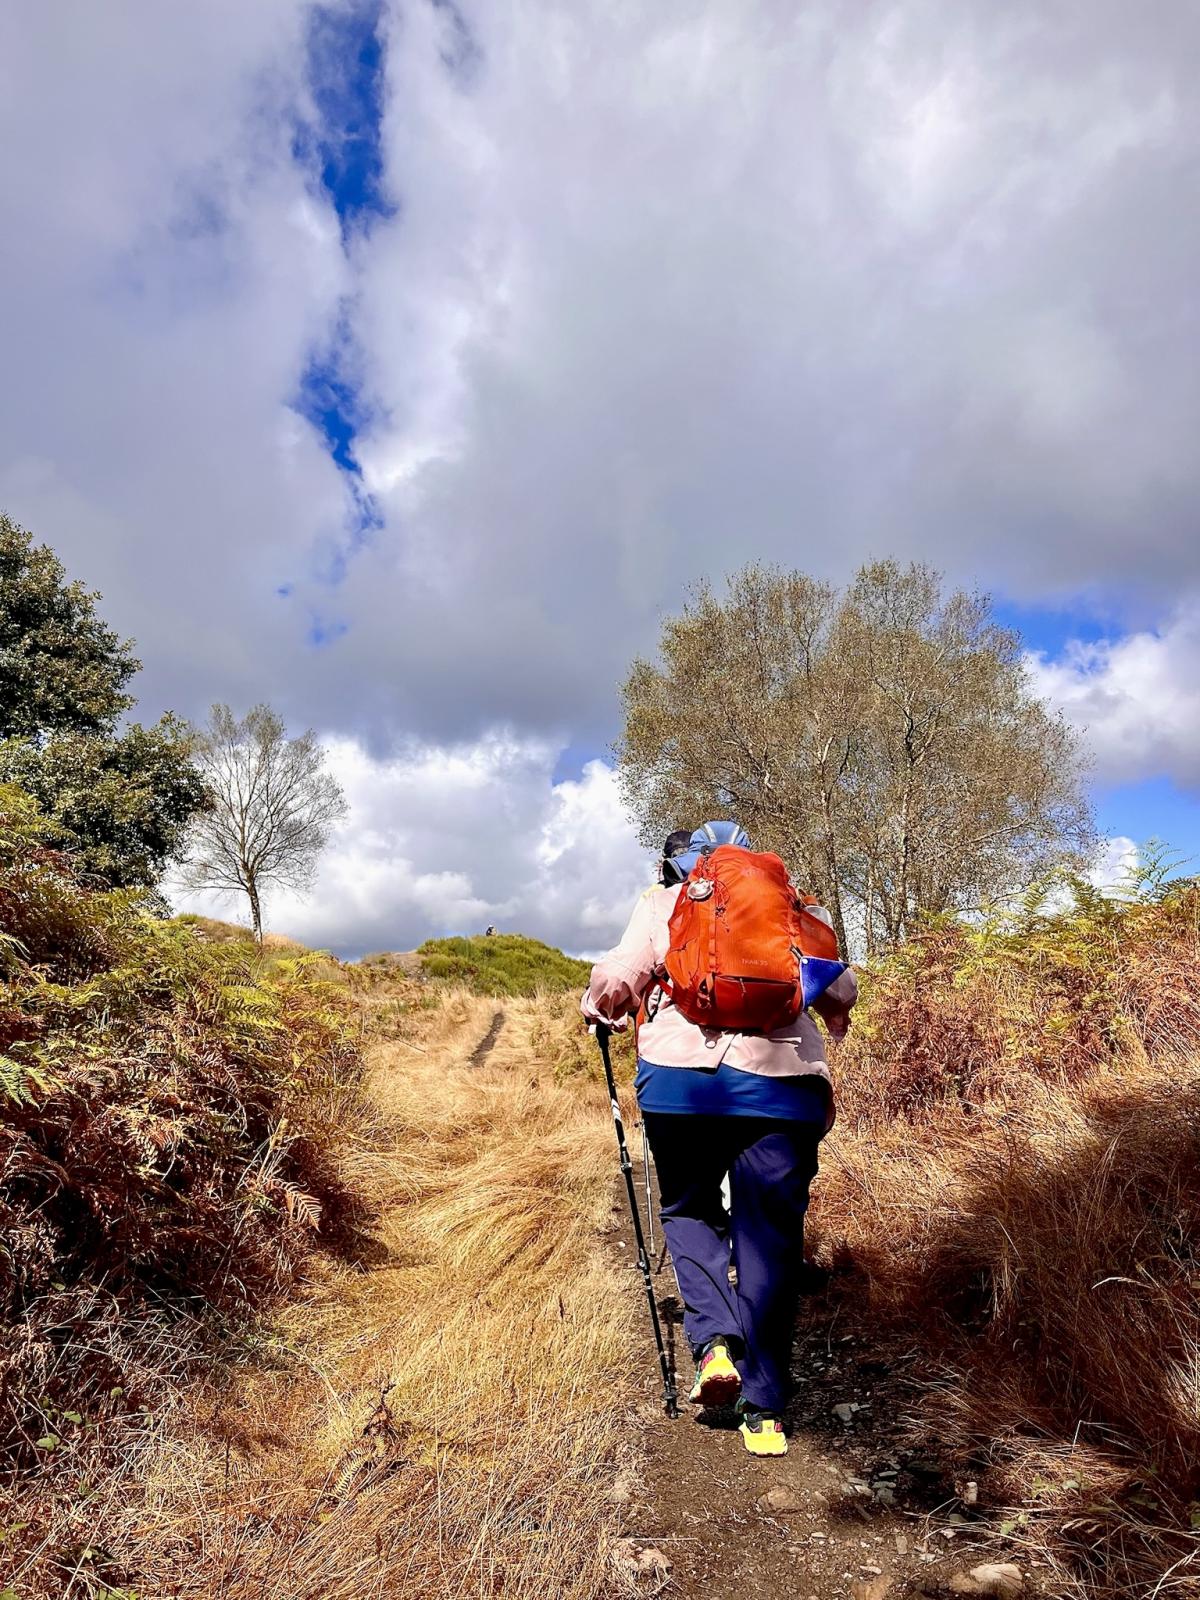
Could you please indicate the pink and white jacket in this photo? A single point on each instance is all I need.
(628, 975)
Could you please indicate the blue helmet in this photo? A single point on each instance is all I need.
(706, 839)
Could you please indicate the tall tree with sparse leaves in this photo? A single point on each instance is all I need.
(883, 739)
(121, 797)
(273, 805)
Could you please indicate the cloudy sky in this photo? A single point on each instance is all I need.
(401, 361)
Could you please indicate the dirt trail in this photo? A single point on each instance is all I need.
(847, 1514)
(473, 1408)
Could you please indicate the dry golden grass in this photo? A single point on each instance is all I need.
(446, 1418)
(1013, 1184)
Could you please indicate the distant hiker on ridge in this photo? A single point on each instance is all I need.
(723, 965)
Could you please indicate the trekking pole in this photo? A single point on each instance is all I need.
(670, 1398)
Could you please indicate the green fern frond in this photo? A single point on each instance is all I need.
(18, 1080)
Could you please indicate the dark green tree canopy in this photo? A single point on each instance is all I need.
(121, 798)
(61, 667)
(121, 804)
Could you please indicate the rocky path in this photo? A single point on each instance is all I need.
(847, 1514)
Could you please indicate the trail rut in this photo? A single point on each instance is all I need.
(488, 1043)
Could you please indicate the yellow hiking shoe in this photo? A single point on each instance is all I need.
(762, 1431)
(718, 1382)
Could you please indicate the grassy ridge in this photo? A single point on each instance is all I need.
(504, 964)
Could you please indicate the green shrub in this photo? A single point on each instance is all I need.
(502, 964)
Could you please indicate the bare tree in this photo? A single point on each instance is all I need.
(883, 739)
(273, 805)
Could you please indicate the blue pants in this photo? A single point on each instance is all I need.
(770, 1163)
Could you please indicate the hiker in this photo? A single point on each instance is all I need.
(719, 1096)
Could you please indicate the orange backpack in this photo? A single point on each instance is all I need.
(738, 932)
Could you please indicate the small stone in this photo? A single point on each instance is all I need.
(621, 1490)
(781, 1497)
(623, 1553)
(652, 1560)
(872, 1588)
(970, 1494)
(901, 1544)
(1001, 1579)
(845, 1411)
(646, 1568)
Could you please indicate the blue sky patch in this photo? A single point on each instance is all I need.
(1153, 809)
(1049, 629)
(346, 80)
(323, 631)
(331, 403)
(343, 147)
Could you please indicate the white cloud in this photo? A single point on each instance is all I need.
(450, 840)
(1116, 860)
(176, 267)
(666, 288)
(669, 289)
(1136, 699)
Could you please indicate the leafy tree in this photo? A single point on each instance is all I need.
(273, 806)
(122, 803)
(121, 798)
(61, 667)
(883, 739)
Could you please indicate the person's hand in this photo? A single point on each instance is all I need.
(619, 1026)
(838, 1023)
(593, 1016)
